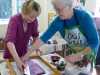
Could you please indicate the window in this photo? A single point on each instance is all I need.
(9, 8)
(5, 9)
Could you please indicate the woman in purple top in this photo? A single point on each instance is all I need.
(20, 28)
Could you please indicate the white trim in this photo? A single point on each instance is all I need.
(14, 7)
(4, 21)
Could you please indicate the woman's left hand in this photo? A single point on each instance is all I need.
(74, 58)
(27, 55)
(25, 58)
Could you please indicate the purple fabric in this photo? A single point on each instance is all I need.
(16, 34)
(35, 69)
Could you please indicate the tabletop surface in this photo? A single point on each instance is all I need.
(4, 70)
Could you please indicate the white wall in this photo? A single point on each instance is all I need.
(91, 5)
(43, 19)
(97, 12)
(3, 29)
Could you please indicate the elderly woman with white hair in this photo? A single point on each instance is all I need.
(77, 27)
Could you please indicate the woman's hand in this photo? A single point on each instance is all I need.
(25, 58)
(74, 58)
(21, 65)
(27, 55)
(12, 50)
(38, 52)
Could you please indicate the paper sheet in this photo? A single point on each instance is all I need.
(46, 69)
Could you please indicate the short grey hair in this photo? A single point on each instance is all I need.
(68, 3)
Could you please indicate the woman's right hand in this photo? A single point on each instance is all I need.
(21, 66)
(13, 51)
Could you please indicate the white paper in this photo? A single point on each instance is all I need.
(26, 70)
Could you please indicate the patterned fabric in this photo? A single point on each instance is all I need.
(75, 38)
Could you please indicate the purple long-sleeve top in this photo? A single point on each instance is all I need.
(15, 33)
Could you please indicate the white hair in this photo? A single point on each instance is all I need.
(68, 3)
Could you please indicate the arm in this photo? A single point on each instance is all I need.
(34, 37)
(90, 32)
(55, 26)
(13, 52)
(11, 39)
(88, 28)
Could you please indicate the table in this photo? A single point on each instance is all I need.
(10, 68)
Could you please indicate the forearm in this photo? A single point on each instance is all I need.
(36, 45)
(12, 50)
(86, 51)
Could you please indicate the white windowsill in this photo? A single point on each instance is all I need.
(4, 22)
